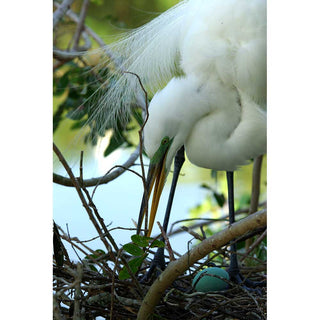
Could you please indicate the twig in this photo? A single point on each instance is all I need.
(192, 233)
(67, 55)
(77, 294)
(171, 256)
(112, 284)
(207, 221)
(146, 111)
(254, 245)
(61, 11)
(56, 310)
(81, 196)
(106, 268)
(75, 251)
(105, 229)
(80, 24)
(67, 182)
(115, 167)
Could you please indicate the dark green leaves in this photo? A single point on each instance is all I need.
(78, 90)
(133, 249)
(157, 244)
(138, 249)
(219, 197)
(134, 266)
(141, 241)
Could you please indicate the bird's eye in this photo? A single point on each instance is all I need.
(165, 140)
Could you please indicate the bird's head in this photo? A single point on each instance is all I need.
(161, 142)
(165, 132)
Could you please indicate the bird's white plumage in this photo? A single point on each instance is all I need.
(216, 107)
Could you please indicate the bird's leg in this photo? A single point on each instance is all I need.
(234, 267)
(158, 262)
(234, 270)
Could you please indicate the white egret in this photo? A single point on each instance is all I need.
(214, 54)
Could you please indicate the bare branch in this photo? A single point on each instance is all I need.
(100, 180)
(80, 25)
(61, 11)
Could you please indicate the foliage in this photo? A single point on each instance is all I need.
(77, 84)
(138, 249)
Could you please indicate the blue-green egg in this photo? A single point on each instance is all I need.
(209, 283)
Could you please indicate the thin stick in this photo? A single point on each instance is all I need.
(81, 196)
(254, 245)
(77, 294)
(61, 11)
(141, 145)
(80, 24)
(164, 235)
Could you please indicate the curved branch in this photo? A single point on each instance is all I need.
(178, 267)
(67, 182)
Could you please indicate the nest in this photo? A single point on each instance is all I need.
(91, 289)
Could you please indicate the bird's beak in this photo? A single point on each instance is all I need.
(156, 178)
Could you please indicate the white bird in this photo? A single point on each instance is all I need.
(213, 53)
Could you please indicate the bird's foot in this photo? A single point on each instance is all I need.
(247, 284)
(156, 267)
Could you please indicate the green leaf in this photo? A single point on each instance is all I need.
(97, 2)
(138, 116)
(157, 243)
(205, 186)
(133, 249)
(114, 144)
(124, 274)
(219, 198)
(92, 267)
(244, 200)
(61, 84)
(134, 266)
(140, 241)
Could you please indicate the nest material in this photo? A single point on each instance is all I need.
(80, 292)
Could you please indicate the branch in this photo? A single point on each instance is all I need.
(100, 180)
(61, 11)
(178, 267)
(80, 25)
